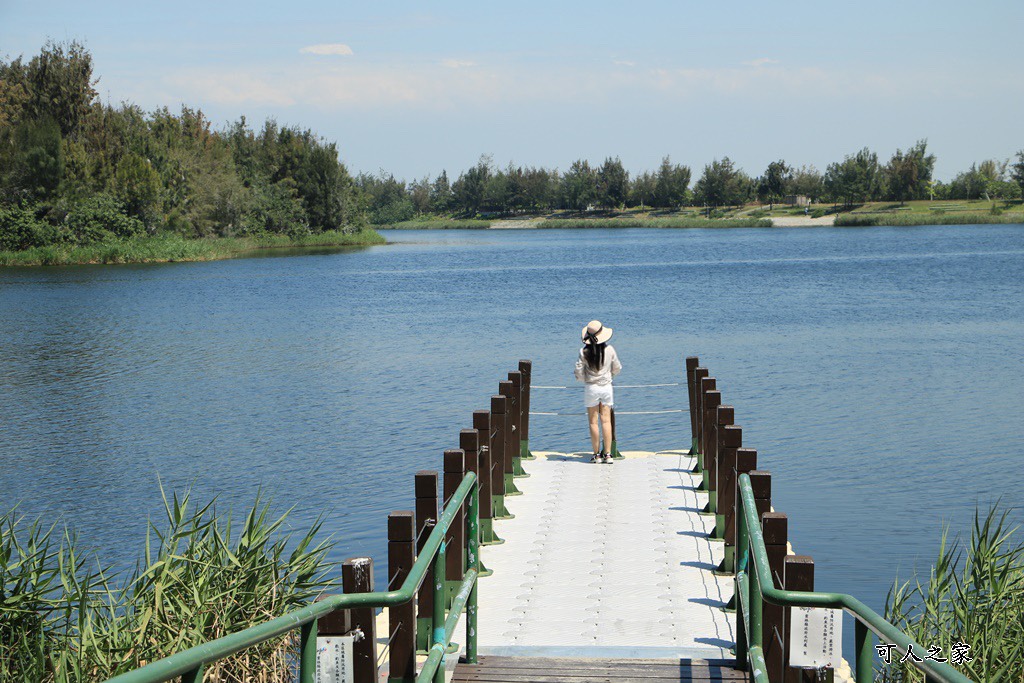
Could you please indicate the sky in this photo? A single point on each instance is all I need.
(413, 88)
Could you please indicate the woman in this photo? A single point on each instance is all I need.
(595, 367)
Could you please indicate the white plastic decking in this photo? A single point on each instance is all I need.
(609, 560)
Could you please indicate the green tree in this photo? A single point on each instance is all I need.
(579, 186)
(61, 85)
(855, 179)
(441, 197)
(1017, 171)
(38, 160)
(137, 185)
(773, 184)
(612, 184)
(469, 189)
(641, 190)
(901, 179)
(670, 185)
(722, 184)
(808, 182)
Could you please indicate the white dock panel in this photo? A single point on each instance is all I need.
(607, 556)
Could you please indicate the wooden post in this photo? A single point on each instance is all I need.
(745, 460)
(511, 439)
(774, 528)
(691, 364)
(723, 416)
(469, 440)
(730, 437)
(699, 374)
(761, 485)
(455, 539)
(401, 618)
(498, 429)
(799, 576)
(706, 384)
(518, 418)
(526, 368)
(426, 520)
(357, 577)
(712, 399)
(482, 425)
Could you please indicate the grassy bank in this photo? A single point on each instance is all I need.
(897, 219)
(168, 248)
(645, 222)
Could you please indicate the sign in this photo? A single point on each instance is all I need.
(334, 659)
(816, 636)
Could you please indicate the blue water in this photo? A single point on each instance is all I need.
(877, 372)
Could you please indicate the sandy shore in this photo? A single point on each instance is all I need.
(801, 221)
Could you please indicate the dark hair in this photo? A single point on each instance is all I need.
(594, 354)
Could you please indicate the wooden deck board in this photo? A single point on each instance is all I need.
(569, 670)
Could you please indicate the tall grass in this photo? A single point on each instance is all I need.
(65, 619)
(667, 222)
(439, 224)
(934, 218)
(167, 248)
(973, 594)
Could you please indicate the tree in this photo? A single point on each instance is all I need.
(854, 179)
(722, 184)
(670, 186)
(772, 185)
(469, 188)
(901, 179)
(441, 194)
(807, 181)
(641, 190)
(61, 85)
(612, 184)
(1017, 172)
(579, 186)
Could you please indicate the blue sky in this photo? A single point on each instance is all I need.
(414, 88)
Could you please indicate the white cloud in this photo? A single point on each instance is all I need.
(457, 63)
(761, 61)
(623, 62)
(327, 49)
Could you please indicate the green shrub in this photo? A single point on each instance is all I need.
(100, 218)
(20, 229)
(850, 220)
(818, 213)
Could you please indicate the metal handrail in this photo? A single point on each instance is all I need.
(751, 552)
(189, 663)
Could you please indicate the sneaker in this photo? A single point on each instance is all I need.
(604, 457)
(596, 457)
(608, 459)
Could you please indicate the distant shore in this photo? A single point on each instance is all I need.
(751, 216)
(172, 248)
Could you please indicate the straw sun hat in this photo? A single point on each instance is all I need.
(594, 327)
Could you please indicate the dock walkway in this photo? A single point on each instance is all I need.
(606, 560)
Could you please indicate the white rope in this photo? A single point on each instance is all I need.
(621, 412)
(620, 386)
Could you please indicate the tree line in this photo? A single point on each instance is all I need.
(74, 169)
(858, 178)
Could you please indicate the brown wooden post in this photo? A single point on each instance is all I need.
(482, 425)
(455, 539)
(723, 416)
(357, 577)
(745, 461)
(426, 520)
(526, 368)
(469, 440)
(799, 576)
(691, 364)
(511, 439)
(401, 618)
(498, 429)
(761, 485)
(774, 528)
(705, 385)
(699, 374)
(516, 377)
(730, 437)
(712, 399)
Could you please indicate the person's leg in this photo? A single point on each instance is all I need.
(595, 427)
(606, 422)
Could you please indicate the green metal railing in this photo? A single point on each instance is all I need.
(754, 582)
(190, 663)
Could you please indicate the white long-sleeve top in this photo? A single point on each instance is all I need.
(611, 367)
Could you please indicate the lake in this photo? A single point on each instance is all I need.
(877, 372)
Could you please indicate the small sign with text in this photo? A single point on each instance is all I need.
(334, 659)
(816, 636)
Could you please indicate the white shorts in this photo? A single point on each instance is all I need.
(597, 393)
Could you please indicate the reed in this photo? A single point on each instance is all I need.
(667, 222)
(974, 594)
(931, 218)
(64, 618)
(171, 248)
